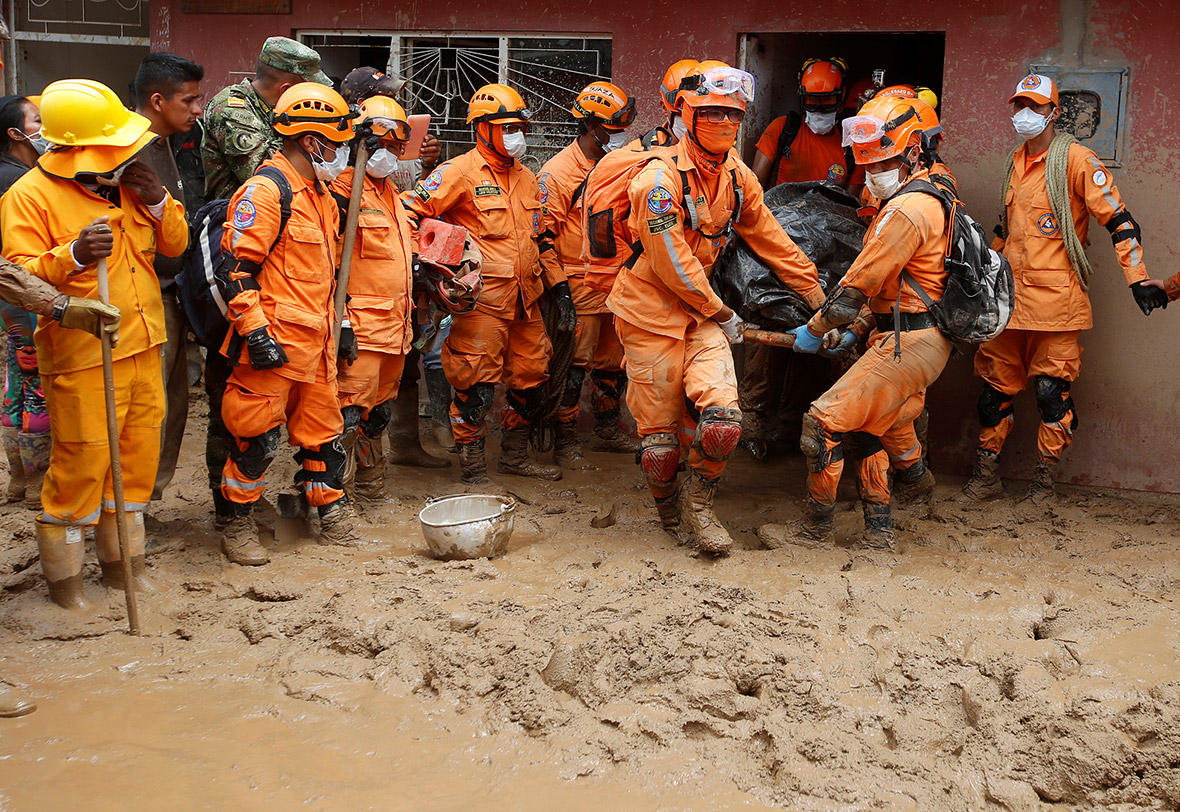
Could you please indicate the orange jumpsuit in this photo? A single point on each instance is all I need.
(1051, 307)
(812, 157)
(294, 302)
(882, 394)
(504, 338)
(41, 216)
(664, 305)
(597, 346)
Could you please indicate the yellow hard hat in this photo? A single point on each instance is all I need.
(83, 113)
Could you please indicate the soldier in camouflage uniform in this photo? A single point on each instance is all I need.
(239, 137)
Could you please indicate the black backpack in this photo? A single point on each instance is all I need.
(196, 285)
(980, 289)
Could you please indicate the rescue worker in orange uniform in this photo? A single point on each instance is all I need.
(885, 389)
(377, 329)
(279, 286)
(1045, 242)
(684, 205)
(497, 199)
(603, 112)
(91, 198)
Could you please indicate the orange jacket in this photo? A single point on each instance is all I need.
(297, 279)
(668, 289)
(909, 233)
(379, 283)
(561, 178)
(501, 209)
(812, 157)
(42, 215)
(1048, 293)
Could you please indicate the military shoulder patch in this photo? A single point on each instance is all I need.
(658, 225)
(234, 101)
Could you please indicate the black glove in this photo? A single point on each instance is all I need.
(567, 314)
(1148, 297)
(348, 350)
(265, 352)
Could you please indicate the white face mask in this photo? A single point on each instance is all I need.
(328, 170)
(515, 145)
(1029, 123)
(616, 141)
(679, 129)
(381, 164)
(883, 185)
(37, 141)
(820, 123)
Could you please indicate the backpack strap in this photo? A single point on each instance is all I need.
(786, 139)
(280, 180)
(579, 191)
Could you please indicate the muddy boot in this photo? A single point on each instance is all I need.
(12, 706)
(473, 464)
(223, 511)
(915, 483)
(985, 478)
(878, 532)
(338, 523)
(405, 448)
(1040, 488)
(671, 517)
(438, 388)
(16, 468)
(62, 549)
(106, 539)
(34, 454)
(348, 478)
(514, 457)
(699, 518)
(609, 437)
(567, 451)
(239, 539)
(370, 468)
(815, 530)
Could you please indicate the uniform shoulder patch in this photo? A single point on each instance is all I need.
(1099, 177)
(536, 222)
(543, 188)
(433, 180)
(244, 214)
(659, 200)
(234, 101)
(658, 225)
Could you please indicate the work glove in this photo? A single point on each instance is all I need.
(1148, 297)
(92, 316)
(348, 350)
(265, 352)
(806, 341)
(567, 314)
(734, 329)
(837, 345)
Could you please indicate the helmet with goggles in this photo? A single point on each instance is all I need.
(721, 87)
(822, 84)
(498, 104)
(384, 117)
(606, 102)
(886, 127)
(673, 82)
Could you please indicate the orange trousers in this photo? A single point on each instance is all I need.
(256, 403)
(596, 348)
(1008, 361)
(372, 379)
(879, 396)
(78, 482)
(665, 376)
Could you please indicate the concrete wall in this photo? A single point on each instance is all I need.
(1128, 394)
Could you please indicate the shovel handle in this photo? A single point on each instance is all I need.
(350, 226)
(769, 337)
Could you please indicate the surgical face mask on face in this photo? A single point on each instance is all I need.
(37, 142)
(515, 145)
(679, 129)
(820, 123)
(327, 171)
(382, 164)
(883, 185)
(1029, 123)
(616, 141)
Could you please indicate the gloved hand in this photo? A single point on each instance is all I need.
(265, 352)
(1148, 297)
(348, 350)
(806, 341)
(567, 314)
(92, 316)
(734, 328)
(837, 344)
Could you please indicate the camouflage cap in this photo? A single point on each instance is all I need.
(361, 83)
(293, 57)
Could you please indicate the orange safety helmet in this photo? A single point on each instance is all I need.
(886, 127)
(925, 94)
(606, 102)
(309, 107)
(673, 78)
(498, 104)
(721, 86)
(823, 80)
(385, 117)
(709, 64)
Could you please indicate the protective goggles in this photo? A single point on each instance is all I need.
(870, 129)
(619, 120)
(727, 82)
(382, 127)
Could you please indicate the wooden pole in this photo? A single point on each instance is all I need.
(108, 377)
(350, 224)
(768, 337)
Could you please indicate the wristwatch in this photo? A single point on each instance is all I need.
(59, 307)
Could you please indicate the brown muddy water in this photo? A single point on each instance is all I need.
(1005, 658)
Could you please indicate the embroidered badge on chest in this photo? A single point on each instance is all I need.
(1047, 225)
(836, 173)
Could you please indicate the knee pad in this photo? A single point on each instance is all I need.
(352, 417)
(257, 456)
(659, 457)
(573, 386)
(994, 406)
(525, 402)
(475, 403)
(332, 456)
(378, 419)
(612, 383)
(718, 432)
(1053, 399)
(813, 442)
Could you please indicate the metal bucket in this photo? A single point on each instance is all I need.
(467, 526)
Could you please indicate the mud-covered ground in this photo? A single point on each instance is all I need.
(1004, 658)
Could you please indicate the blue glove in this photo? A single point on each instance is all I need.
(847, 341)
(805, 340)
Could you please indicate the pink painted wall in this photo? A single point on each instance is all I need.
(1129, 391)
